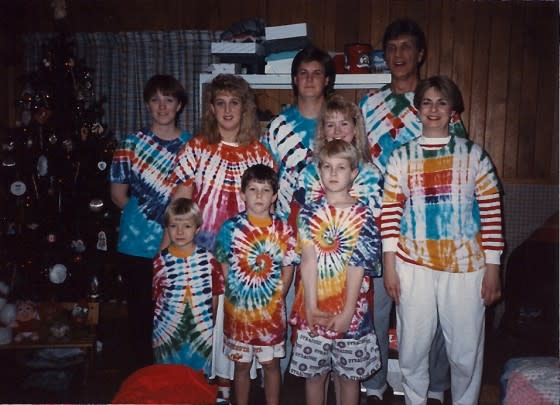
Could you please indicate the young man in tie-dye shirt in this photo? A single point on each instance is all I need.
(340, 252)
(289, 136)
(257, 250)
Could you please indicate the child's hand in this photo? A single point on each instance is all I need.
(316, 317)
(340, 323)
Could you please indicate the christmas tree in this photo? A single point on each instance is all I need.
(58, 222)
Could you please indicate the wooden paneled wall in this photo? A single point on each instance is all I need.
(502, 54)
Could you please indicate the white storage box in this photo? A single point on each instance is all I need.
(246, 48)
(286, 31)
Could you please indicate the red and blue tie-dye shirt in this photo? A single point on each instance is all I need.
(183, 286)
(215, 171)
(254, 310)
(341, 237)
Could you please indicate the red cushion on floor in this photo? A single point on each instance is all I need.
(166, 383)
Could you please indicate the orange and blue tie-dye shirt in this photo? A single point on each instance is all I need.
(341, 237)
(254, 310)
(441, 205)
(144, 162)
(215, 171)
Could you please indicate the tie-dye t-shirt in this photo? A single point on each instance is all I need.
(215, 171)
(367, 186)
(144, 162)
(392, 120)
(183, 287)
(441, 206)
(289, 138)
(341, 237)
(254, 310)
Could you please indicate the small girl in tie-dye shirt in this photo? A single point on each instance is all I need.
(187, 280)
(340, 252)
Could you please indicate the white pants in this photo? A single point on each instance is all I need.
(456, 299)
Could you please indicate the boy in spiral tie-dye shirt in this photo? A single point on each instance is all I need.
(257, 250)
(340, 252)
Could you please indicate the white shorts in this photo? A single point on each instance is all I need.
(315, 355)
(245, 353)
(221, 365)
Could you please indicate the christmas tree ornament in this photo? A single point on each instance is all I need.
(84, 133)
(9, 146)
(41, 115)
(96, 205)
(18, 188)
(68, 145)
(78, 246)
(58, 273)
(94, 288)
(42, 166)
(97, 129)
(101, 241)
(8, 161)
(102, 165)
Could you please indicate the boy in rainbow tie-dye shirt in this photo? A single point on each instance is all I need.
(340, 253)
(257, 251)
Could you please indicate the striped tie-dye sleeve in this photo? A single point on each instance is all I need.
(488, 197)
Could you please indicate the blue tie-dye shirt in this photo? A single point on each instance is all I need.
(144, 162)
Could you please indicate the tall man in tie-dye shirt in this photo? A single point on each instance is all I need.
(392, 120)
(257, 251)
(290, 135)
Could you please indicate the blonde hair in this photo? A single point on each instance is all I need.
(183, 206)
(337, 103)
(340, 149)
(238, 87)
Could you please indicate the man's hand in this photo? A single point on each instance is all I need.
(390, 276)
